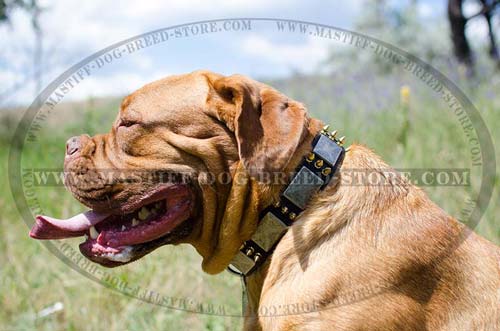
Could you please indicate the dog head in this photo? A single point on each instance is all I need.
(182, 163)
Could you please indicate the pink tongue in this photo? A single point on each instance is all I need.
(149, 231)
(46, 227)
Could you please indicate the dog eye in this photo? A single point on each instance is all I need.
(126, 123)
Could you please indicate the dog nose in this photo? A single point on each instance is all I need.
(72, 145)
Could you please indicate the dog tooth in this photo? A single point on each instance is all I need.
(123, 227)
(93, 232)
(134, 222)
(143, 213)
(86, 237)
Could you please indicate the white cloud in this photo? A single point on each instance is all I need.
(425, 10)
(175, 10)
(96, 24)
(305, 56)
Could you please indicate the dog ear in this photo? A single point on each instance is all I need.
(268, 126)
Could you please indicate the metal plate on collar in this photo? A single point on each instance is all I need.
(303, 186)
(269, 231)
(243, 263)
(328, 150)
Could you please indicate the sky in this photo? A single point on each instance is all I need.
(75, 29)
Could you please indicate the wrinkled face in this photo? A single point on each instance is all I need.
(145, 172)
(160, 175)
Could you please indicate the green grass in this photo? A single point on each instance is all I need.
(33, 278)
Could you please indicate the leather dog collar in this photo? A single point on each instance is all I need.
(313, 174)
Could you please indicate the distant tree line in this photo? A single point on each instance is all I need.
(404, 26)
(7, 6)
(458, 24)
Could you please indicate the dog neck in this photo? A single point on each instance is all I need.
(327, 213)
(235, 220)
(311, 175)
(254, 282)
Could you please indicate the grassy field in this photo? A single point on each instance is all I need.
(34, 279)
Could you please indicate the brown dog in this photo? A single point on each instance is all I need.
(364, 257)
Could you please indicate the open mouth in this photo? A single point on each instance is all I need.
(113, 238)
